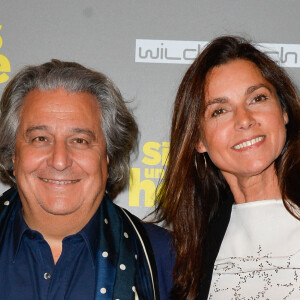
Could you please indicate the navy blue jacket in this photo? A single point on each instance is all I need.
(157, 240)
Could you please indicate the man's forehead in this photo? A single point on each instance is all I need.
(45, 108)
(60, 100)
(58, 95)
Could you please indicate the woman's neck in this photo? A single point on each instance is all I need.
(257, 187)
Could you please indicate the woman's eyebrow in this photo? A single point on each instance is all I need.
(216, 101)
(253, 88)
(249, 90)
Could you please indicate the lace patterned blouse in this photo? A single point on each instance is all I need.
(260, 255)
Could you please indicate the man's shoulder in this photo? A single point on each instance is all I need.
(7, 199)
(158, 236)
(159, 246)
(7, 204)
(6, 195)
(162, 245)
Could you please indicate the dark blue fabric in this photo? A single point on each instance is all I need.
(164, 253)
(25, 258)
(124, 258)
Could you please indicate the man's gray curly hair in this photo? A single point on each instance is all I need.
(118, 124)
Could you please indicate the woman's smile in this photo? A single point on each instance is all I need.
(249, 144)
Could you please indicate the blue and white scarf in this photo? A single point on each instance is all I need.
(125, 262)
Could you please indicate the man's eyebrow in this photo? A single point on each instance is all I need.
(253, 88)
(38, 127)
(75, 130)
(84, 131)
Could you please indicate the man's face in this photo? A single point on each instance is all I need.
(60, 160)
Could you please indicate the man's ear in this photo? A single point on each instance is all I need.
(107, 159)
(200, 147)
(13, 161)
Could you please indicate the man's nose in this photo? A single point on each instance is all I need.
(60, 156)
(244, 118)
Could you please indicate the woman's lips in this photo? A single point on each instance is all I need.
(249, 143)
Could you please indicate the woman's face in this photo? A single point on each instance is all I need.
(243, 124)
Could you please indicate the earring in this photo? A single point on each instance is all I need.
(201, 176)
(205, 163)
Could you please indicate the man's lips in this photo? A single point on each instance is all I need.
(59, 181)
(249, 143)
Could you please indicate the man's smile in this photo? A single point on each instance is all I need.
(59, 181)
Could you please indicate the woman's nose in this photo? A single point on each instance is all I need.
(244, 119)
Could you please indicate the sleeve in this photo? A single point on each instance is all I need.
(164, 253)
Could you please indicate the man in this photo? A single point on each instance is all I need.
(65, 142)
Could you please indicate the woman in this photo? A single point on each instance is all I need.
(234, 140)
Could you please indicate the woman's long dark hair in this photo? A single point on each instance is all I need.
(191, 192)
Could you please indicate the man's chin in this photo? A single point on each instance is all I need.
(59, 208)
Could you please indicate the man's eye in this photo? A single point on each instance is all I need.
(259, 98)
(218, 112)
(80, 141)
(40, 139)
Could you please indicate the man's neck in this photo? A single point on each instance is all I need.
(55, 228)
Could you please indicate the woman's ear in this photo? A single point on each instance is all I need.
(285, 117)
(200, 147)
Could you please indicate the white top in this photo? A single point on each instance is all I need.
(259, 257)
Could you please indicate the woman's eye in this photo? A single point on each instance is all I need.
(259, 98)
(218, 112)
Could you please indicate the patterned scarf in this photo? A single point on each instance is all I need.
(125, 262)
